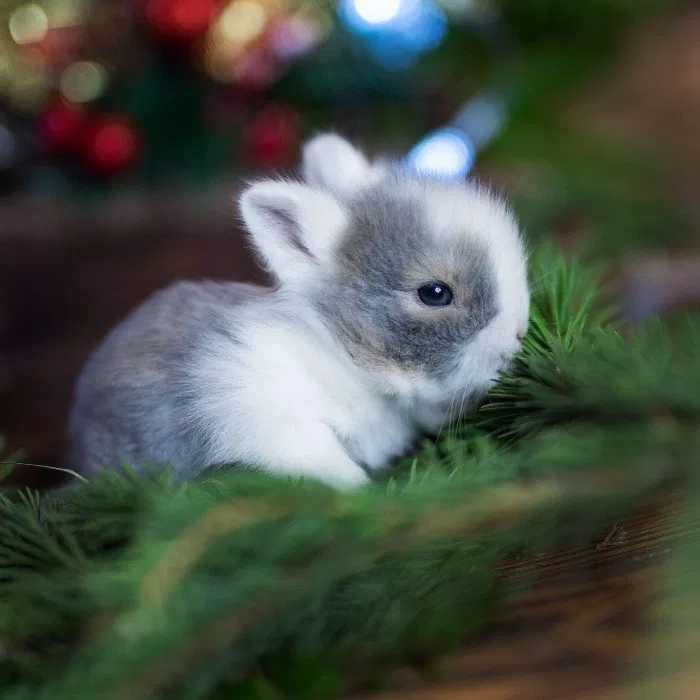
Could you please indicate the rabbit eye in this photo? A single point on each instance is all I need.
(435, 294)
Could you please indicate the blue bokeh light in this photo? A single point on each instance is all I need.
(395, 31)
(447, 153)
(482, 118)
(374, 12)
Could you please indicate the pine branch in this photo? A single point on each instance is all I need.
(165, 589)
(196, 599)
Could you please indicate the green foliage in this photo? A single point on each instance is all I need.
(587, 190)
(566, 177)
(575, 366)
(591, 26)
(244, 585)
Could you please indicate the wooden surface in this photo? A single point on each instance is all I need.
(581, 631)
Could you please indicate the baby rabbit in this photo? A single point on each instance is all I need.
(398, 300)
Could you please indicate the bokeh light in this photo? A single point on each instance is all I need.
(28, 86)
(396, 32)
(297, 35)
(242, 21)
(83, 81)
(28, 24)
(66, 13)
(482, 118)
(447, 153)
(377, 11)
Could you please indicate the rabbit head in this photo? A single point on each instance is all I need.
(422, 281)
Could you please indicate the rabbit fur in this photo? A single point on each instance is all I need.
(339, 368)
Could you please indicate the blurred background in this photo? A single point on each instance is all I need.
(127, 127)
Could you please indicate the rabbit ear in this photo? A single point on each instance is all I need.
(294, 227)
(331, 163)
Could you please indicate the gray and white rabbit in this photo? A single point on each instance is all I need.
(398, 300)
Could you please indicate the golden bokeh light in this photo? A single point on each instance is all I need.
(83, 81)
(28, 24)
(242, 21)
(66, 13)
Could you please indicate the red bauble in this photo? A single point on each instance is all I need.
(271, 139)
(62, 127)
(111, 146)
(181, 20)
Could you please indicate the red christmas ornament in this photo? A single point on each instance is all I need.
(62, 127)
(271, 139)
(111, 146)
(181, 20)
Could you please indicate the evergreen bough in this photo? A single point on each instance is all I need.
(244, 585)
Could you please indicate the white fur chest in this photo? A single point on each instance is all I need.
(373, 429)
(305, 380)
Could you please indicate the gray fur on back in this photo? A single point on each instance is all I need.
(132, 398)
